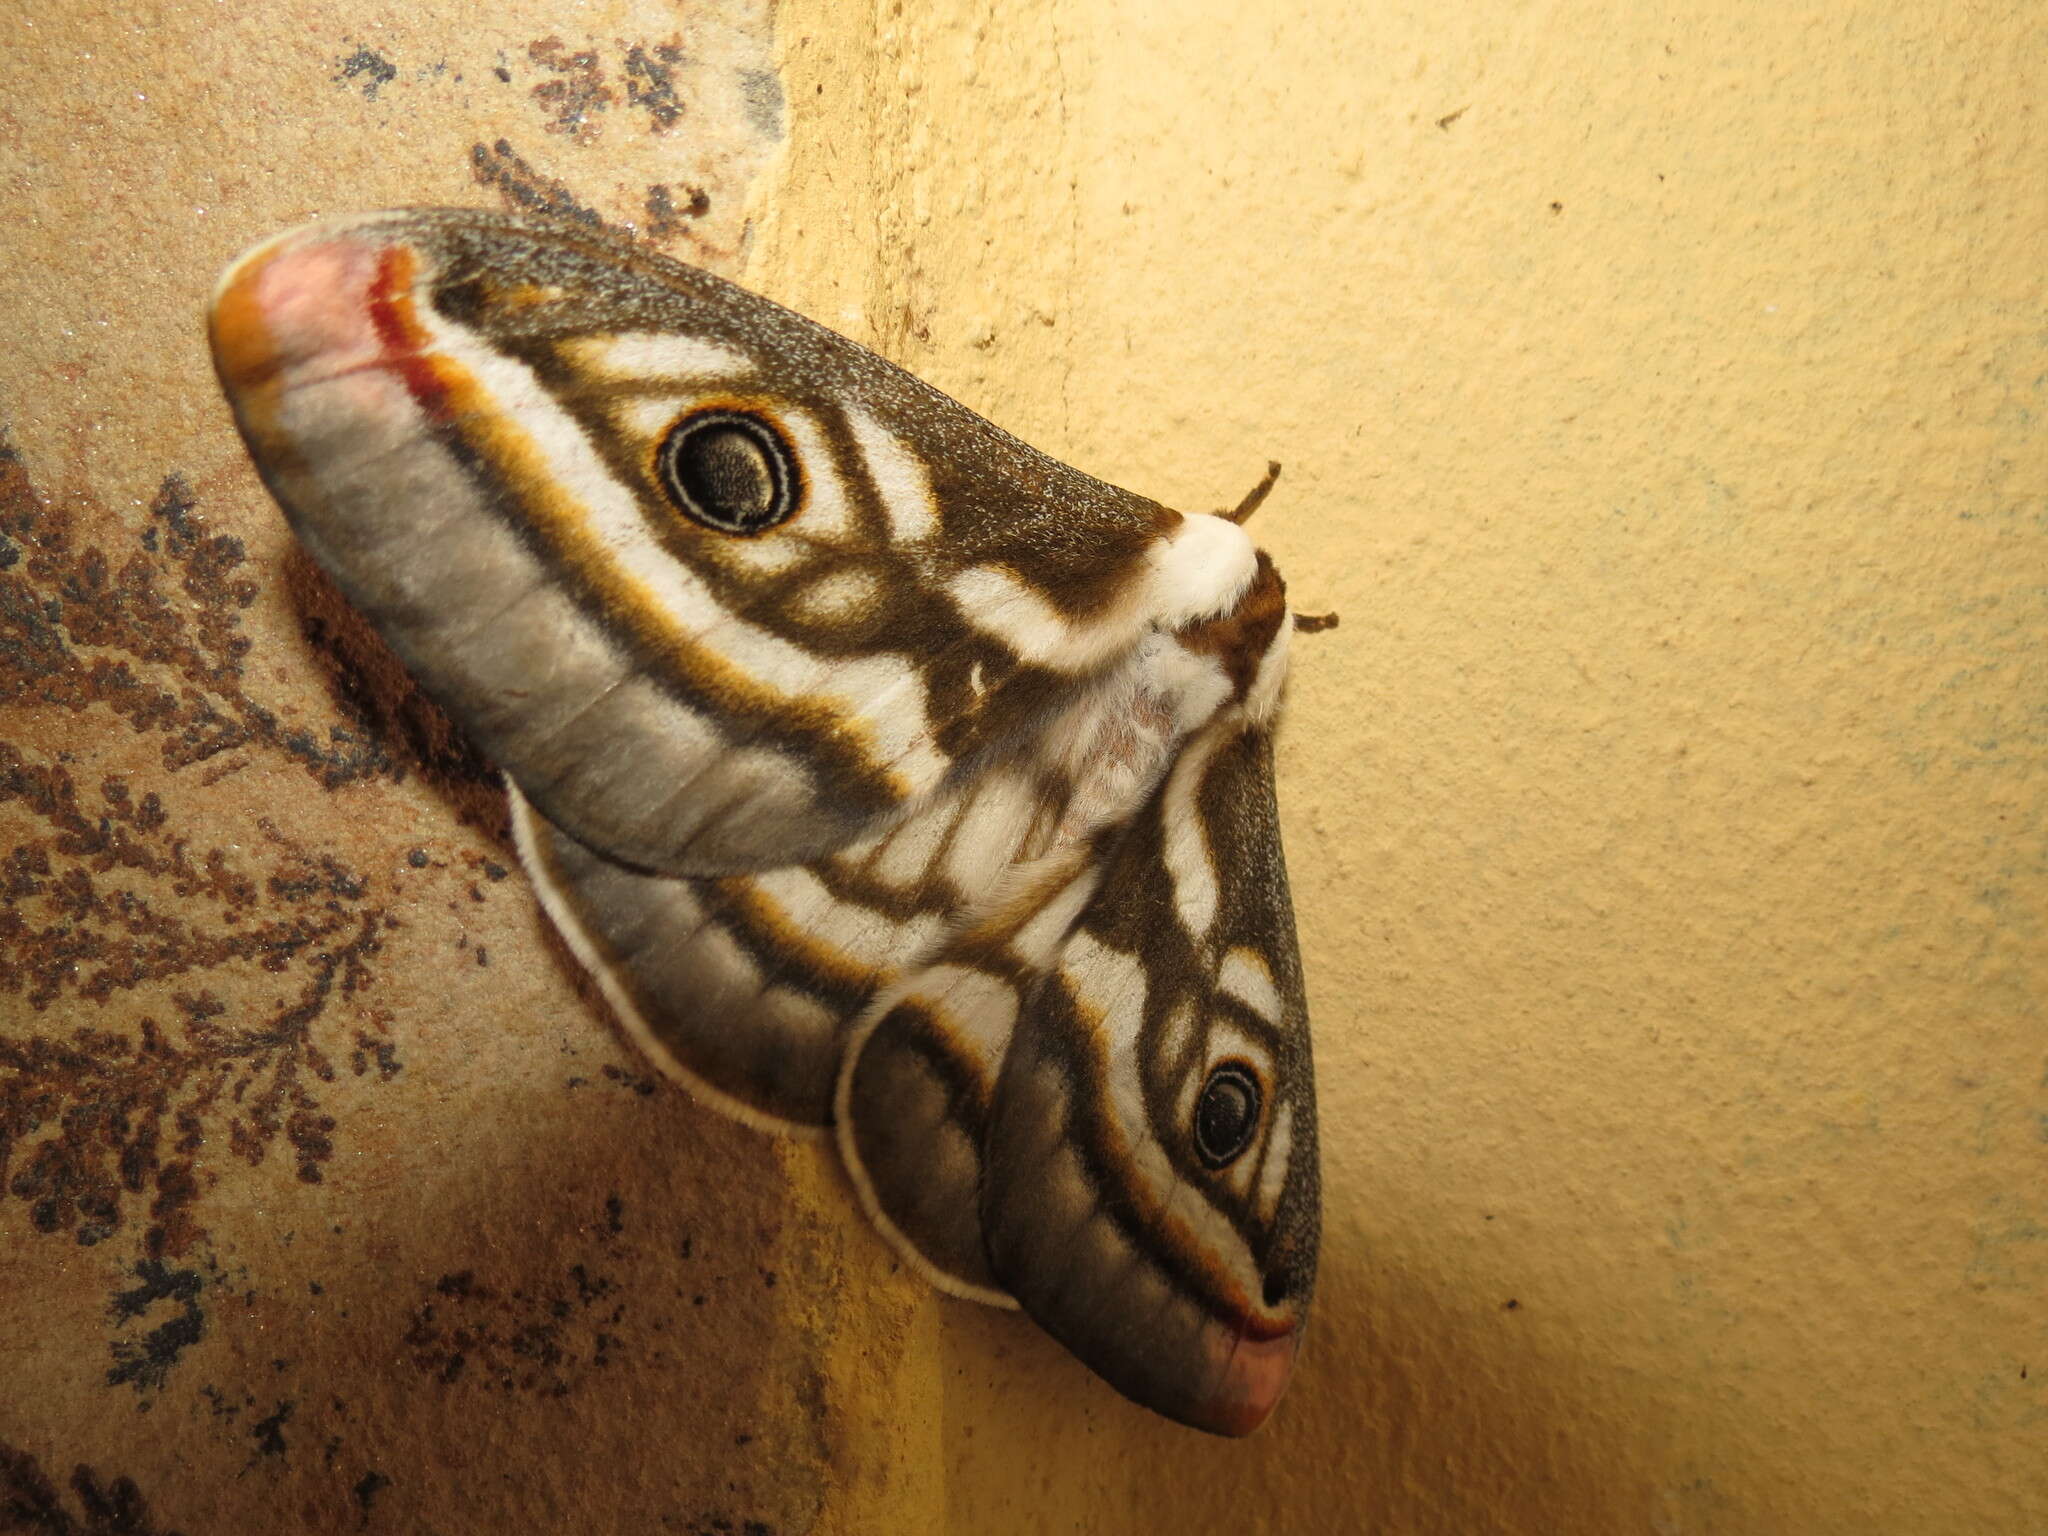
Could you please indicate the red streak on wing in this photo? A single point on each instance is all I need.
(405, 342)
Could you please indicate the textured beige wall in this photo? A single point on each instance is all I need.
(1661, 398)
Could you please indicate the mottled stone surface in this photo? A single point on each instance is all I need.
(329, 1197)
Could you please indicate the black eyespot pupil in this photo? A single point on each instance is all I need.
(724, 468)
(729, 471)
(1226, 1115)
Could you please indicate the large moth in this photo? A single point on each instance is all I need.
(896, 782)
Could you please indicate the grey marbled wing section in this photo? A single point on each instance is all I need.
(1064, 1242)
(914, 1109)
(499, 641)
(704, 978)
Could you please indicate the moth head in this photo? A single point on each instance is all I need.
(1248, 644)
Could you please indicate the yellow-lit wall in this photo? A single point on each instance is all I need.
(1662, 396)
(1664, 403)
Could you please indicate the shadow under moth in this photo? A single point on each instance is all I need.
(896, 782)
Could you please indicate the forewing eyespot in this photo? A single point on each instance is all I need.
(729, 470)
(1226, 1114)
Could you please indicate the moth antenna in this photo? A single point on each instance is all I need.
(1314, 623)
(1259, 493)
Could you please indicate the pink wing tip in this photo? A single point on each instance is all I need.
(1254, 1377)
(302, 303)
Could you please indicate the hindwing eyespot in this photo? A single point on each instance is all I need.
(729, 470)
(1226, 1114)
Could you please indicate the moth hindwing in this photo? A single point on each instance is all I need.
(897, 782)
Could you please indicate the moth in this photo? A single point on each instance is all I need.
(897, 783)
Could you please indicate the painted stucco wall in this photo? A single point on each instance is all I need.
(1661, 398)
